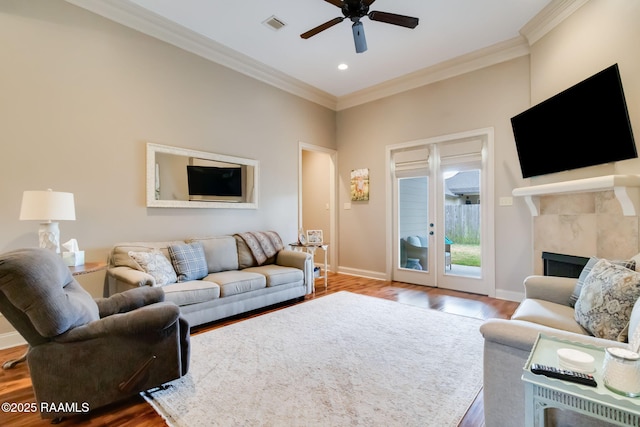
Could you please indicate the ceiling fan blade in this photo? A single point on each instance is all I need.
(392, 18)
(368, 2)
(337, 3)
(312, 32)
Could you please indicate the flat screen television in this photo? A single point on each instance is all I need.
(585, 125)
(211, 183)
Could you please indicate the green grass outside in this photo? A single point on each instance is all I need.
(465, 254)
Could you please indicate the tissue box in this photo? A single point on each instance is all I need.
(73, 259)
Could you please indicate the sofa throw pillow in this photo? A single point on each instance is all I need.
(220, 252)
(188, 260)
(630, 264)
(157, 265)
(606, 301)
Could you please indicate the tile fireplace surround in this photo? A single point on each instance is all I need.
(588, 222)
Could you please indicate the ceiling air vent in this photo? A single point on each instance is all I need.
(274, 23)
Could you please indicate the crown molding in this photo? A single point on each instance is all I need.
(546, 20)
(549, 18)
(133, 16)
(476, 60)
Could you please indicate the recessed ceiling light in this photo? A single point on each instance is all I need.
(342, 67)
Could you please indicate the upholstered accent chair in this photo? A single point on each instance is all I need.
(414, 253)
(85, 353)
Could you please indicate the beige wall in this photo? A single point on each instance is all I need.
(80, 97)
(485, 98)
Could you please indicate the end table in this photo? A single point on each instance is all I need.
(311, 248)
(599, 402)
(88, 267)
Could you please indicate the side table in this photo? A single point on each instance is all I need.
(599, 402)
(311, 248)
(86, 268)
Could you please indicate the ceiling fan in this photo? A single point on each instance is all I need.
(356, 9)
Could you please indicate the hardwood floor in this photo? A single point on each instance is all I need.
(15, 384)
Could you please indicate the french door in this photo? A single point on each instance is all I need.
(414, 245)
(441, 229)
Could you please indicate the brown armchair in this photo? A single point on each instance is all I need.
(86, 353)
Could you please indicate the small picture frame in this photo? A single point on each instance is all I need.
(314, 237)
(302, 239)
(360, 185)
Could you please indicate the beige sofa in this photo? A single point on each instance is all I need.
(507, 344)
(234, 281)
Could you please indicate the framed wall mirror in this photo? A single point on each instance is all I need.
(183, 178)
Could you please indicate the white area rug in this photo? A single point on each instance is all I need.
(340, 360)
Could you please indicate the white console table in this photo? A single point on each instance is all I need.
(311, 248)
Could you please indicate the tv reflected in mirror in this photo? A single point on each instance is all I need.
(585, 125)
(211, 183)
(214, 186)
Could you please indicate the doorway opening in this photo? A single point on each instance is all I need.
(317, 198)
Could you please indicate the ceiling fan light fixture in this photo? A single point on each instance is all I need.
(355, 10)
(358, 37)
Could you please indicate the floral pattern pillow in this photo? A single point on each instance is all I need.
(630, 264)
(157, 265)
(606, 300)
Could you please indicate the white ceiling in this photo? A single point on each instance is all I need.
(448, 29)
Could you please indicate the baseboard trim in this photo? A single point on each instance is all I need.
(11, 339)
(509, 295)
(376, 275)
(363, 273)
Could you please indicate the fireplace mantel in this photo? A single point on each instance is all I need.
(625, 187)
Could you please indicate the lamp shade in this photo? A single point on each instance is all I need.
(47, 206)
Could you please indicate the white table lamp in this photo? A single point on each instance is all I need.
(49, 207)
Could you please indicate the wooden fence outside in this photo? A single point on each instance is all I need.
(462, 223)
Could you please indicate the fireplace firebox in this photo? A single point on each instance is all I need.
(563, 265)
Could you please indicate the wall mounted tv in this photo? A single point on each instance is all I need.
(585, 125)
(212, 183)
